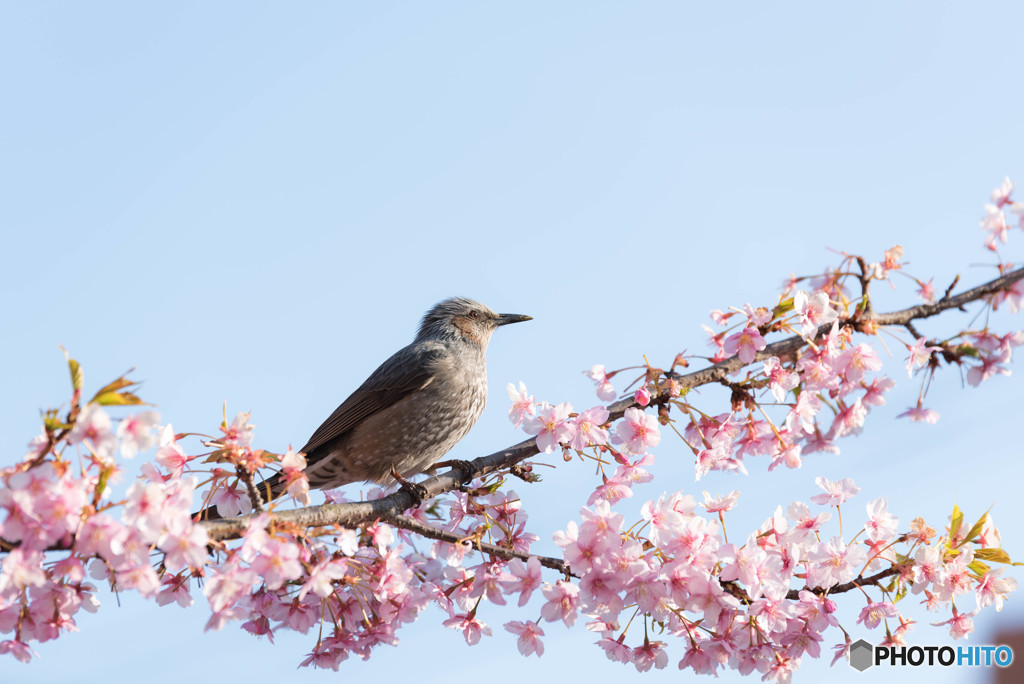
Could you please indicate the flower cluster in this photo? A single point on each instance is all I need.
(748, 607)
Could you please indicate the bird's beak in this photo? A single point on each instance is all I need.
(505, 319)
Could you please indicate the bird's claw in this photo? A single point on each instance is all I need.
(417, 491)
(457, 464)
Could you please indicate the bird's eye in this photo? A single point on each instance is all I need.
(474, 314)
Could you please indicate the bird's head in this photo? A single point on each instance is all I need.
(461, 318)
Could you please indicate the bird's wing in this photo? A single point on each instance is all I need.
(408, 370)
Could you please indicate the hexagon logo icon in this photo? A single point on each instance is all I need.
(862, 655)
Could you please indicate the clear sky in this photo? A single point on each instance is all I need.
(253, 203)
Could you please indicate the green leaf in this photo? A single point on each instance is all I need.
(992, 555)
(119, 384)
(976, 530)
(116, 399)
(102, 484)
(76, 371)
(956, 523)
(978, 568)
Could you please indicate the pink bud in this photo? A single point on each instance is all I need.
(642, 396)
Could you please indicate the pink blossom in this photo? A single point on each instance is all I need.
(239, 433)
(857, 361)
(834, 563)
(637, 431)
(522, 404)
(919, 414)
(801, 416)
(175, 589)
(651, 654)
(818, 373)
(926, 291)
(992, 589)
(746, 343)
(816, 611)
(184, 548)
(529, 634)
(714, 458)
(960, 625)
(277, 563)
(780, 380)
(93, 424)
(615, 650)
(874, 394)
(230, 499)
(142, 578)
(18, 649)
(665, 520)
(37, 447)
(605, 390)
(836, 493)
(347, 541)
(720, 503)
(928, 567)
(994, 223)
(322, 577)
(22, 569)
(699, 660)
(588, 429)
(170, 455)
(563, 600)
(293, 465)
(990, 367)
(472, 629)
(720, 317)
(881, 524)
(526, 577)
(806, 524)
(813, 311)
(642, 396)
(1001, 195)
(612, 490)
(550, 426)
(849, 419)
(136, 432)
(143, 509)
(920, 355)
(749, 564)
(758, 316)
(873, 613)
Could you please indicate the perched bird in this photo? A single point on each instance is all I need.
(413, 409)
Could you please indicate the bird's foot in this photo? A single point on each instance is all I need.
(417, 491)
(457, 464)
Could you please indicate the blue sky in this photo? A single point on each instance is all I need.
(253, 203)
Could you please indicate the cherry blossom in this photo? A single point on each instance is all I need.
(136, 432)
(836, 493)
(550, 426)
(605, 390)
(746, 343)
(637, 432)
(523, 404)
(529, 634)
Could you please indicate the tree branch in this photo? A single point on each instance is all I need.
(390, 507)
(425, 530)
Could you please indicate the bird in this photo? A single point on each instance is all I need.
(413, 409)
